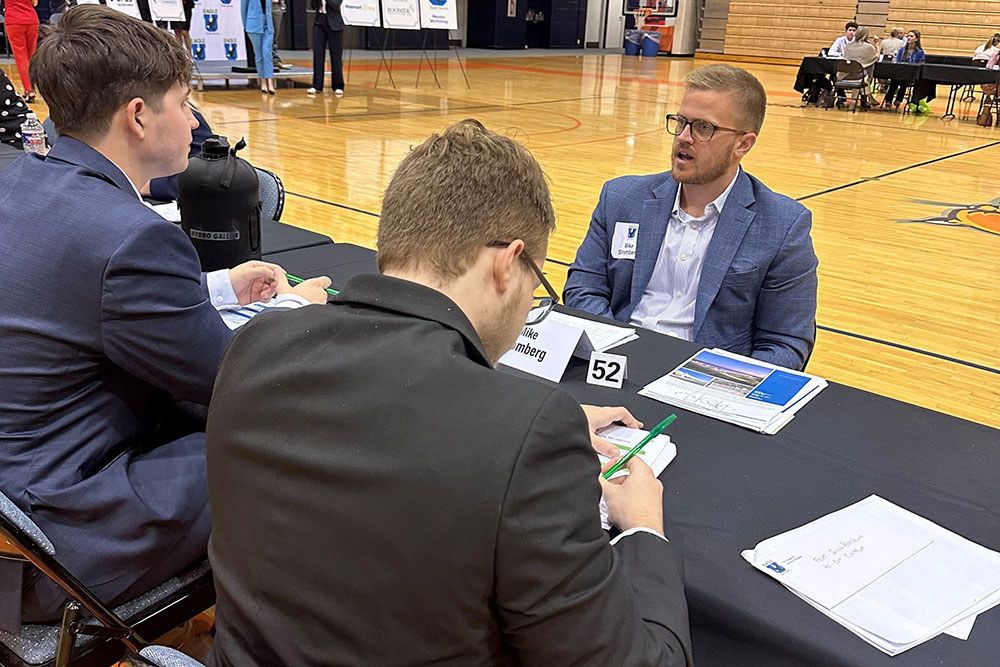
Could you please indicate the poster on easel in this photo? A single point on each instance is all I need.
(361, 13)
(400, 15)
(166, 10)
(438, 14)
(129, 7)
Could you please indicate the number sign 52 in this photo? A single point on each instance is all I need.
(607, 370)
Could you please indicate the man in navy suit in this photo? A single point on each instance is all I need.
(106, 320)
(705, 252)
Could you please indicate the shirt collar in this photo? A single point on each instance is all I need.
(717, 203)
(134, 189)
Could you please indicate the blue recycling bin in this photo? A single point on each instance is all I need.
(633, 38)
(650, 43)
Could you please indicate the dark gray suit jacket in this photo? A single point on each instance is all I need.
(382, 496)
(104, 321)
(334, 20)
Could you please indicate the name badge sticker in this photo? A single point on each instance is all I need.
(623, 243)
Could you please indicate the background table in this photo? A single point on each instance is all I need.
(730, 488)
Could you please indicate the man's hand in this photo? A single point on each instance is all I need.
(636, 500)
(599, 417)
(312, 290)
(253, 281)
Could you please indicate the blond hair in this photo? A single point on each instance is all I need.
(748, 96)
(457, 192)
(897, 33)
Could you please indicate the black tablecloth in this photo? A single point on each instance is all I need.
(810, 68)
(279, 237)
(947, 60)
(730, 488)
(898, 71)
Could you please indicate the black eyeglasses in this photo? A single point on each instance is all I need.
(701, 130)
(541, 306)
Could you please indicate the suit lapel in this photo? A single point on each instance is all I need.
(732, 226)
(652, 228)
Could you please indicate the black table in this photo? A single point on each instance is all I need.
(339, 261)
(279, 237)
(956, 76)
(730, 488)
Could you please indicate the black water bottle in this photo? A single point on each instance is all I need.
(220, 206)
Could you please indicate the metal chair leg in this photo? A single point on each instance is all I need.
(67, 634)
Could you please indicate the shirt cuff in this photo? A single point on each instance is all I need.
(289, 301)
(220, 289)
(640, 529)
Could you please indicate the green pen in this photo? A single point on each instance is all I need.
(296, 279)
(657, 430)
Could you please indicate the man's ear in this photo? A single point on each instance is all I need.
(137, 117)
(503, 264)
(747, 142)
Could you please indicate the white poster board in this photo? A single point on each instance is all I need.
(400, 14)
(361, 12)
(129, 7)
(439, 14)
(217, 31)
(166, 10)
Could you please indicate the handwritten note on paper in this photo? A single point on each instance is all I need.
(834, 557)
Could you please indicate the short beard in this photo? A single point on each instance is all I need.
(706, 175)
(500, 334)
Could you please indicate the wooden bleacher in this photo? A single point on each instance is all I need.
(785, 31)
(952, 27)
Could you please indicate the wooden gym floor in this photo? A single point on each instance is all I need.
(907, 309)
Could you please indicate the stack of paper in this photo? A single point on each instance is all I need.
(736, 389)
(600, 336)
(657, 453)
(891, 577)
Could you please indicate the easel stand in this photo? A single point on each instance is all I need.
(382, 60)
(433, 65)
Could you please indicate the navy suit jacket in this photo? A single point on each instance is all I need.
(104, 322)
(757, 292)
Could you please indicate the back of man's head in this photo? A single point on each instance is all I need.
(97, 59)
(748, 100)
(457, 192)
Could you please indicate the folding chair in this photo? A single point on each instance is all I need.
(102, 644)
(855, 78)
(272, 194)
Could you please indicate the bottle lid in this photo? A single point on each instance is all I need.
(215, 147)
(31, 114)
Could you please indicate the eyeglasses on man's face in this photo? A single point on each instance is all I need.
(701, 130)
(541, 305)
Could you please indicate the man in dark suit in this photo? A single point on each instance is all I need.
(705, 252)
(328, 30)
(106, 320)
(382, 495)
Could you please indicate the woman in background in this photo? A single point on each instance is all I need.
(328, 28)
(862, 51)
(21, 24)
(911, 53)
(260, 29)
(986, 51)
(182, 29)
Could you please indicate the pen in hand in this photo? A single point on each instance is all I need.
(657, 430)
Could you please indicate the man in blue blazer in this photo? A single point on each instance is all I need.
(705, 252)
(106, 320)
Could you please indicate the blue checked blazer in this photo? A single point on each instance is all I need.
(757, 293)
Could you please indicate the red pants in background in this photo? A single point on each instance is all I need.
(23, 39)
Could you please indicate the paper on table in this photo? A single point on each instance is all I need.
(963, 628)
(657, 453)
(169, 211)
(602, 336)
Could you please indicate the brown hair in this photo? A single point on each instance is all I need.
(95, 60)
(748, 96)
(457, 192)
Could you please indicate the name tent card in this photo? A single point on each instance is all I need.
(544, 349)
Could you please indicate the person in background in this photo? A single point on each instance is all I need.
(836, 50)
(278, 9)
(986, 51)
(21, 24)
(328, 29)
(911, 53)
(259, 27)
(181, 29)
(864, 52)
(891, 44)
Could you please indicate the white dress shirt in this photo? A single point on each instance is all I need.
(668, 302)
(839, 44)
(220, 287)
